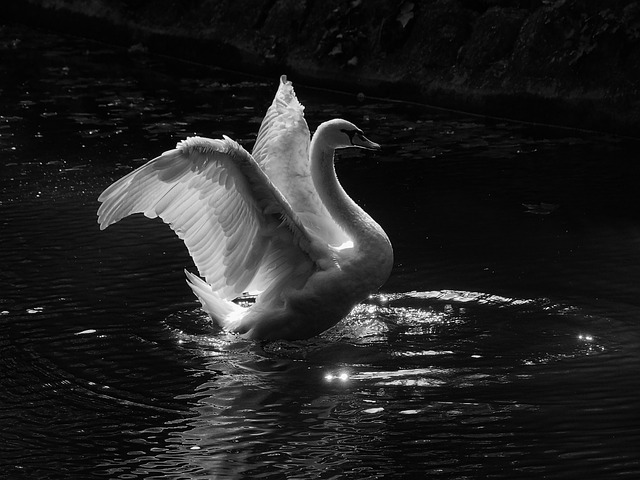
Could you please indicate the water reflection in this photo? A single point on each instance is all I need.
(316, 407)
(340, 376)
(285, 415)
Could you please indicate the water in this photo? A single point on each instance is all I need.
(505, 344)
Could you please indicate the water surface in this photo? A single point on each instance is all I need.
(505, 344)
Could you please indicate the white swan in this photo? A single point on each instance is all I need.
(276, 223)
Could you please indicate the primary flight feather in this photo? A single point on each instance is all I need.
(275, 223)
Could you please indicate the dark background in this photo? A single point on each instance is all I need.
(568, 62)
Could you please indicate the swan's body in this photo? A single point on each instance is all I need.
(276, 223)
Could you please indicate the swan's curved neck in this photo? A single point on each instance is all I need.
(371, 254)
(346, 213)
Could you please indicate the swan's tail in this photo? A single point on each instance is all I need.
(226, 313)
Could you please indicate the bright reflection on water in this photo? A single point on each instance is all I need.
(505, 344)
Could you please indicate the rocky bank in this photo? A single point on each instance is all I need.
(569, 62)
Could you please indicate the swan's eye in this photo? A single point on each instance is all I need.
(353, 134)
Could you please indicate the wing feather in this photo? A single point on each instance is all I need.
(282, 151)
(213, 194)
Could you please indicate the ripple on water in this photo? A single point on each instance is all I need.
(418, 339)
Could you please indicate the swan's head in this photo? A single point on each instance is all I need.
(339, 133)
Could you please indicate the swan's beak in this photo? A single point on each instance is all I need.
(361, 141)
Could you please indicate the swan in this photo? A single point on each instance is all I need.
(275, 223)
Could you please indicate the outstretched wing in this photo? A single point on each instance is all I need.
(282, 151)
(240, 231)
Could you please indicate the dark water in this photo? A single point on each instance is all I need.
(505, 344)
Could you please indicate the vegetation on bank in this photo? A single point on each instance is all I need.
(575, 62)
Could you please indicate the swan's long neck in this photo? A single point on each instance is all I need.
(371, 258)
(346, 213)
(356, 223)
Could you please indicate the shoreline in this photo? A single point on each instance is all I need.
(509, 63)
